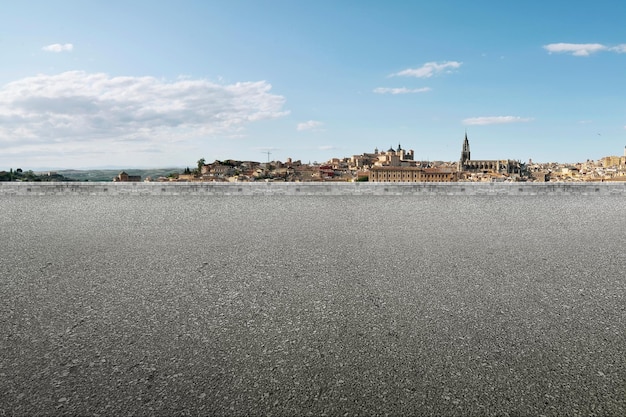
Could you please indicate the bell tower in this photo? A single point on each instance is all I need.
(465, 153)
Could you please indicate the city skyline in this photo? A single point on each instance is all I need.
(88, 85)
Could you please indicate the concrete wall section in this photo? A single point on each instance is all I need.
(308, 188)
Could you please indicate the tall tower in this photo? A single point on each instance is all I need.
(465, 153)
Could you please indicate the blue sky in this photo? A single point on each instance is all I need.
(87, 84)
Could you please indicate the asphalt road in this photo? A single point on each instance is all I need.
(355, 305)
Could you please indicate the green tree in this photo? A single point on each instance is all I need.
(201, 162)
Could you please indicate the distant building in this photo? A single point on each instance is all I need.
(391, 157)
(124, 177)
(411, 174)
(395, 157)
(500, 166)
(613, 161)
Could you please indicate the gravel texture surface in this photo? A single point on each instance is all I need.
(443, 305)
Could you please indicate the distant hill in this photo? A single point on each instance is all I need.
(20, 175)
(109, 174)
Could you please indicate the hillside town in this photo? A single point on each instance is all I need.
(394, 164)
(397, 164)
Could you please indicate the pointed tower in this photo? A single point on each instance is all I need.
(400, 152)
(465, 154)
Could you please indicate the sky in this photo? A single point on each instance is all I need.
(144, 84)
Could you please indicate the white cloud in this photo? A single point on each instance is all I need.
(492, 120)
(576, 49)
(429, 69)
(78, 110)
(309, 125)
(620, 49)
(402, 90)
(57, 47)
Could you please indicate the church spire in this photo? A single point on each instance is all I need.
(465, 153)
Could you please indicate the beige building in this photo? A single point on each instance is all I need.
(395, 157)
(613, 161)
(124, 177)
(411, 174)
(391, 157)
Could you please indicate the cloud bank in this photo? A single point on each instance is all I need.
(78, 110)
(402, 90)
(582, 49)
(429, 69)
(492, 120)
(57, 47)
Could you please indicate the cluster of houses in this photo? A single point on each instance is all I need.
(400, 165)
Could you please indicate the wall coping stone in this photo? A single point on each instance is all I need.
(309, 188)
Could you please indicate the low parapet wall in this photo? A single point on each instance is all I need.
(308, 188)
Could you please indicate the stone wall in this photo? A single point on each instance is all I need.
(308, 188)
